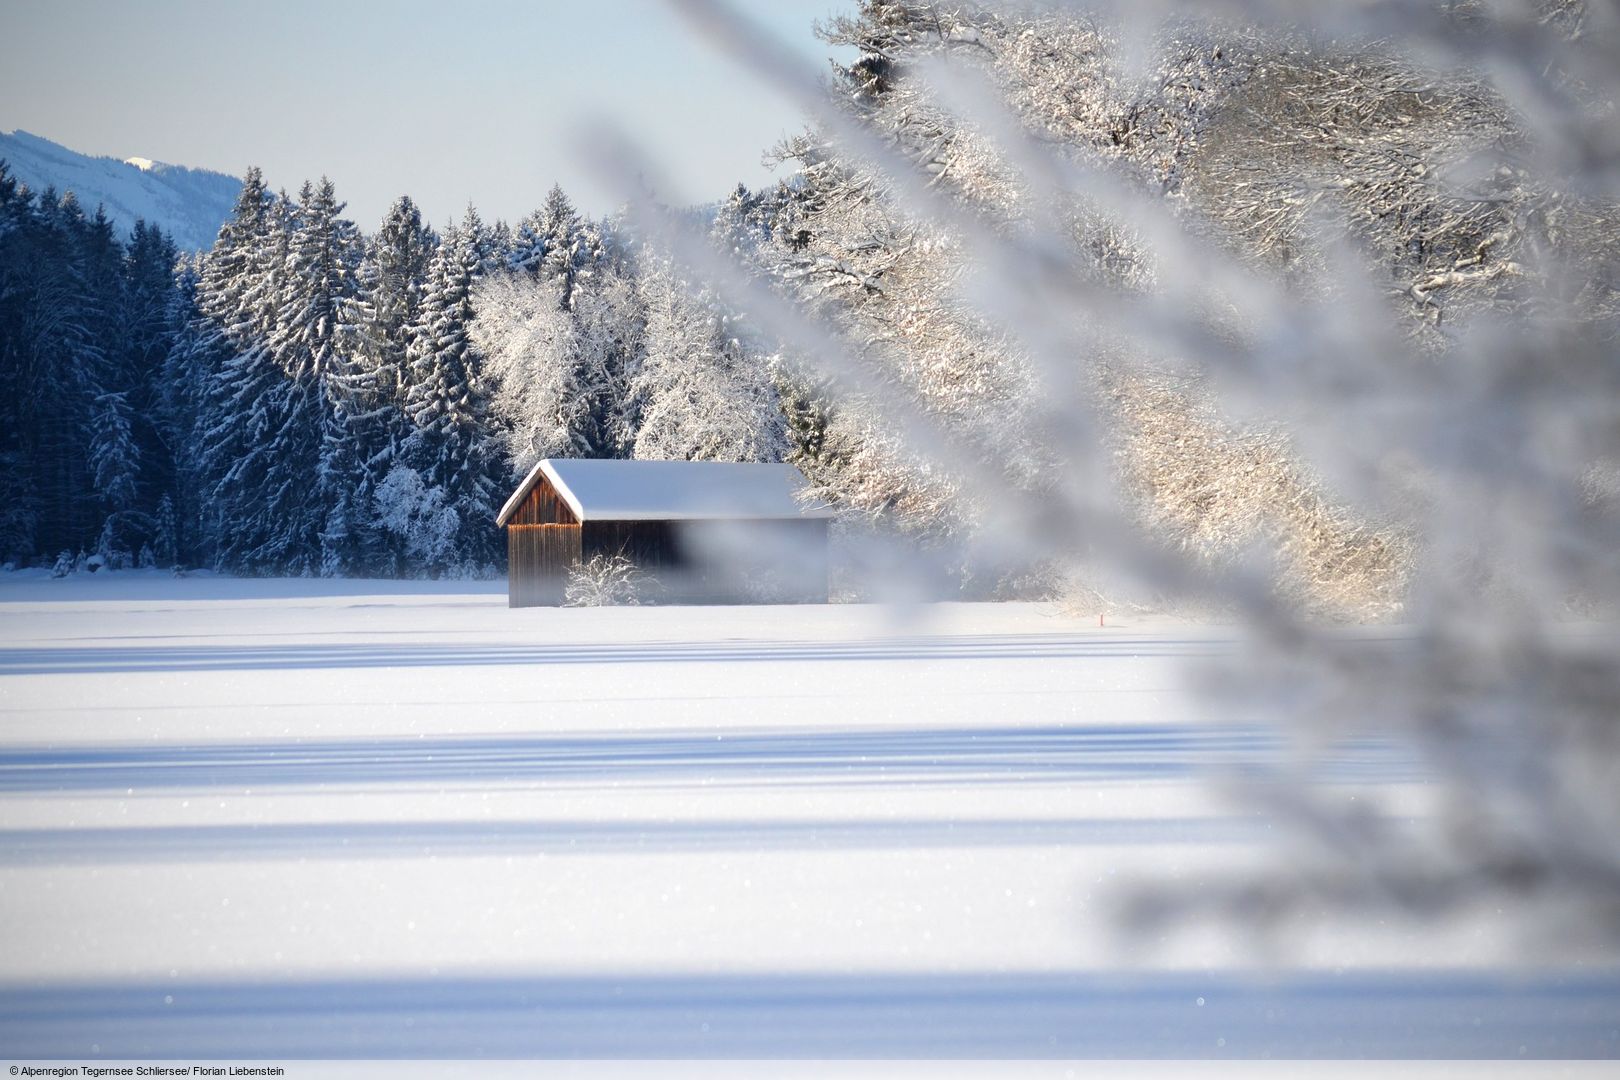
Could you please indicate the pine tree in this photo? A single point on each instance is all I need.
(316, 442)
(389, 304)
(231, 272)
(63, 334)
(547, 241)
(179, 405)
(451, 447)
(165, 542)
(378, 325)
(149, 321)
(113, 458)
(245, 402)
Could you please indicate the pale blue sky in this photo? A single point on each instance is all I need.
(449, 102)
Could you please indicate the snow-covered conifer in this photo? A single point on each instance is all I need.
(165, 544)
(553, 243)
(389, 303)
(451, 446)
(316, 434)
(273, 445)
(113, 462)
(377, 327)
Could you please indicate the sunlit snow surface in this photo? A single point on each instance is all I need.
(306, 818)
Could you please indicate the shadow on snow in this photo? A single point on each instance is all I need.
(1179, 1015)
(351, 840)
(983, 755)
(123, 659)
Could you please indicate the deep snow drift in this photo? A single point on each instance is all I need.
(314, 818)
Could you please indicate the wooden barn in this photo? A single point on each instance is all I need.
(700, 531)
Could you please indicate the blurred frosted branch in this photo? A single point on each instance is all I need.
(1303, 308)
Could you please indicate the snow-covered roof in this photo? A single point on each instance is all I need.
(603, 490)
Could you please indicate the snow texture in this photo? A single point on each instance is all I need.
(324, 818)
(188, 204)
(605, 490)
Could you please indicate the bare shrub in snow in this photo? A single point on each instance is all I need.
(604, 581)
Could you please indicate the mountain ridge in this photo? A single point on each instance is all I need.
(189, 204)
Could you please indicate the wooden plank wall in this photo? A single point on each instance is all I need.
(538, 560)
(648, 544)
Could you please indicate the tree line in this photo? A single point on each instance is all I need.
(305, 399)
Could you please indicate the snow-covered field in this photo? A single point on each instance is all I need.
(308, 818)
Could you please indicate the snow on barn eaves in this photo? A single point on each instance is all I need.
(618, 490)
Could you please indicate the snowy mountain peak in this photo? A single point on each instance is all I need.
(188, 204)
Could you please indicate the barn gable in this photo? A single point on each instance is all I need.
(537, 503)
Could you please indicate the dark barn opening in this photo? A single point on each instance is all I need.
(700, 531)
